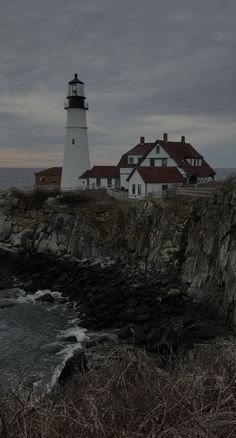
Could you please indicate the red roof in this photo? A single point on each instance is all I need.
(52, 171)
(101, 172)
(159, 174)
(179, 151)
(138, 150)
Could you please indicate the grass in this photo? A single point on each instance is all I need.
(130, 396)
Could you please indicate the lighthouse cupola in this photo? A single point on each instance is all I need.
(75, 96)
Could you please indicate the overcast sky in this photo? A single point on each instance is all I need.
(149, 67)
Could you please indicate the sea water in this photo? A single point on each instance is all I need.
(33, 348)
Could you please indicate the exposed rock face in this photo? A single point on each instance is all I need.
(192, 241)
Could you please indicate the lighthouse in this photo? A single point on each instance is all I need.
(76, 152)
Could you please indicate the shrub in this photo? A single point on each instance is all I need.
(130, 396)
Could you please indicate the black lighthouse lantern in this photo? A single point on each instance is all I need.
(76, 97)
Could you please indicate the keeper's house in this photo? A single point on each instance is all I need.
(165, 154)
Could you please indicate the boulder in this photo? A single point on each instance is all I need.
(47, 298)
(76, 363)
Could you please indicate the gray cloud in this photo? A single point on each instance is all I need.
(148, 67)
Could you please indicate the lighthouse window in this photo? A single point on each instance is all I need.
(73, 141)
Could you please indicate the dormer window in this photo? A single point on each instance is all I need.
(73, 141)
(131, 160)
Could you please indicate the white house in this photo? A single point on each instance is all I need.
(145, 180)
(165, 153)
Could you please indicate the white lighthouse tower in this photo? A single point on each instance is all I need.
(76, 153)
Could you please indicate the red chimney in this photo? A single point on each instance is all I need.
(165, 136)
(142, 140)
(183, 139)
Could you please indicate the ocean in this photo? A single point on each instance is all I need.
(24, 177)
(17, 177)
(33, 348)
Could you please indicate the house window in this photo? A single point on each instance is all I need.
(152, 162)
(139, 160)
(164, 186)
(87, 182)
(133, 189)
(131, 160)
(98, 182)
(158, 149)
(164, 161)
(73, 141)
(109, 182)
(139, 189)
(53, 181)
(42, 179)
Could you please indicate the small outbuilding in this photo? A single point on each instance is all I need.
(100, 176)
(48, 179)
(144, 181)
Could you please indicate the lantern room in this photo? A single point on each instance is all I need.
(76, 97)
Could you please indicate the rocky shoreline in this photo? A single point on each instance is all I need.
(152, 312)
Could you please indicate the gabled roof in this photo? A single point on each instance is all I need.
(159, 174)
(140, 149)
(52, 171)
(179, 151)
(101, 172)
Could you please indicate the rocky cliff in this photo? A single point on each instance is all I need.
(190, 240)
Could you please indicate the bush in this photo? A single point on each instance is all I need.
(32, 199)
(73, 198)
(129, 396)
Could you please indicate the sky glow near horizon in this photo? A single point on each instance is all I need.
(148, 67)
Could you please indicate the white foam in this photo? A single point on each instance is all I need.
(32, 298)
(68, 351)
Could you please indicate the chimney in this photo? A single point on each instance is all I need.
(183, 139)
(165, 136)
(142, 140)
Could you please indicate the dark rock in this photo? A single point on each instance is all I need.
(47, 298)
(102, 339)
(70, 339)
(90, 344)
(76, 363)
(125, 332)
(5, 306)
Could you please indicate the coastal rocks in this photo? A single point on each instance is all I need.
(76, 363)
(46, 298)
(5, 228)
(190, 244)
(69, 339)
(148, 313)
